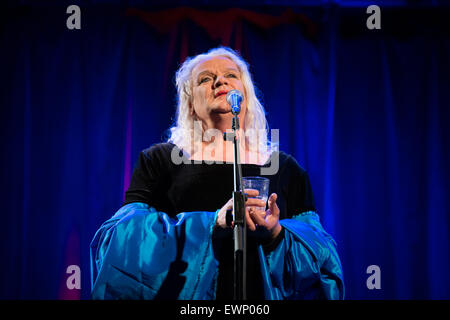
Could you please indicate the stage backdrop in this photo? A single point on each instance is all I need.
(365, 112)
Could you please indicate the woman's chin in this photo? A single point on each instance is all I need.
(221, 110)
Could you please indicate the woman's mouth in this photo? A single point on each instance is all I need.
(221, 93)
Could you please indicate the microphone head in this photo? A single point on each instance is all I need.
(234, 99)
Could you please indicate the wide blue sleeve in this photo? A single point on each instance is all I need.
(141, 253)
(305, 264)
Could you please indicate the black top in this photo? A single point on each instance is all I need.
(175, 188)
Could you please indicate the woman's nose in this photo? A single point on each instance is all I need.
(220, 80)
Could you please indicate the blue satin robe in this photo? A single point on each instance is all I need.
(141, 253)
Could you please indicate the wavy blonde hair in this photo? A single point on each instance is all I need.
(182, 132)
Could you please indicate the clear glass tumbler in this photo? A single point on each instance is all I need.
(258, 183)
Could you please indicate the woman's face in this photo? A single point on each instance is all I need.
(212, 79)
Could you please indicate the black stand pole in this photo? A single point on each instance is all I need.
(240, 226)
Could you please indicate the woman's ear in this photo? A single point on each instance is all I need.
(191, 107)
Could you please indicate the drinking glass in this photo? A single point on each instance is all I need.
(258, 183)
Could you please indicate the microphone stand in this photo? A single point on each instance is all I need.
(240, 226)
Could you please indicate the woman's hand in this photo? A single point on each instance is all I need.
(253, 215)
(269, 219)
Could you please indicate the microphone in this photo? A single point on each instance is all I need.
(234, 99)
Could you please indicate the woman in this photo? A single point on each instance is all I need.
(170, 239)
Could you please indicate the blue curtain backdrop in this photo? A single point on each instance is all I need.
(365, 112)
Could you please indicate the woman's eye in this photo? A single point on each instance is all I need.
(202, 80)
(231, 75)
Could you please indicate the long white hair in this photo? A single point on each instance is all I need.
(255, 123)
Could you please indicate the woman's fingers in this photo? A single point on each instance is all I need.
(273, 219)
(251, 192)
(221, 219)
(250, 224)
(254, 205)
(272, 204)
(258, 216)
(229, 204)
(253, 202)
